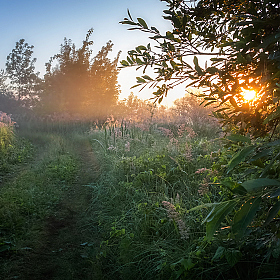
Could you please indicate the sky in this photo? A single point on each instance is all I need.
(45, 23)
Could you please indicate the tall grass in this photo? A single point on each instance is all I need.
(153, 172)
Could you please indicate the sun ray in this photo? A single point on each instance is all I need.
(249, 94)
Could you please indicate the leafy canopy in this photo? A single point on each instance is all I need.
(76, 83)
(241, 39)
(20, 70)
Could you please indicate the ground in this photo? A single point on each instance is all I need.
(67, 238)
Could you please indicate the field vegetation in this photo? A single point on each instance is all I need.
(135, 190)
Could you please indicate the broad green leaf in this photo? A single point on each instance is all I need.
(273, 211)
(239, 138)
(239, 157)
(275, 193)
(244, 216)
(267, 168)
(216, 216)
(261, 154)
(234, 187)
(257, 184)
(219, 253)
(232, 256)
(142, 23)
(205, 205)
(187, 263)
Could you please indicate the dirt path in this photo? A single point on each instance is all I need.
(66, 245)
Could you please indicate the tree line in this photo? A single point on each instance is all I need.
(75, 82)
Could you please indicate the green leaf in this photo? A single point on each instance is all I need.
(239, 138)
(169, 35)
(240, 156)
(197, 67)
(140, 80)
(219, 253)
(244, 216)
(124, 63)
(174, 65)
(234, 187)
(275, 193)
(205, 205)
(147, 78)
(139, 61)
(128, 12)
(272, 116)
(135, 86)
(261, 154)
(273, 211)
(142, 23)
(257, 184)
(4, 248)
(154, 29)
(129, 60)
(212, 70)
(216, 216)
(232, 256)
(187, 263)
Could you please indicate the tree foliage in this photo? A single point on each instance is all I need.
(241, 38)
(20, 71)
(78, 83)
(242, 41)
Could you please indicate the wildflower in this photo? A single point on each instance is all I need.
(166, 132)
(188, 151)
(173, 215)
(191, 133)
(201, 170)
(112, 148)
(183, 230)
(127, 147)
(181, 129)
(203, 188)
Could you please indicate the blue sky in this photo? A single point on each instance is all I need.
(45, 23)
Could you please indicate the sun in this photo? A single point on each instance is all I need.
(249, 94)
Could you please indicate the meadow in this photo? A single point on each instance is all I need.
(126, 198)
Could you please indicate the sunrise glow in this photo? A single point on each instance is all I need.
(249, 95)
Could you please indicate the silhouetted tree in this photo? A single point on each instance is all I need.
(78, 84)
(20, 71)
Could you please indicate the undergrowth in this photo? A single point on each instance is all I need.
(149, 181)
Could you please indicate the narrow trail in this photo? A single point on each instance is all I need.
(66, 245)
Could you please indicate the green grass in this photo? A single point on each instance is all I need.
(47, 200)
(139, 239)
(114, 203)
